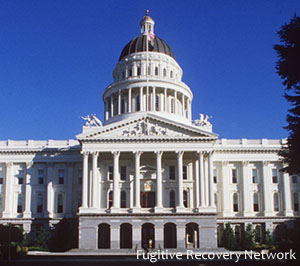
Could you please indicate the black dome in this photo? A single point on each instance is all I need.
(138, 44)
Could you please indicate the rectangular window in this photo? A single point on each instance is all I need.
(123, 172)
(1, 177)
(274, 176)
(172, 106)
(255, 207)
(61, 176)
(60, 209)
(122, 106)
(19, 208)
(156, 103)
(254, 176)
(215, 176)
(235, 207)
(20, 180)
(184, 172)
(294, 179)
(172, 172)
(234, 176)
(41, 176)
(80, 176)
(110, 173)
(138, 103)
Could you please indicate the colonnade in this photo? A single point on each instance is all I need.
(147, 99)
(203, 184)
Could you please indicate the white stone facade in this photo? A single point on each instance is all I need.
(150, 176)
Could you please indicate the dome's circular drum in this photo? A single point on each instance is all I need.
(139, 44)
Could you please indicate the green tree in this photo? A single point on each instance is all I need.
(288, 68)
(12, 233)
(41, 238)
(269, 242)
(229, 238)
(248, 239)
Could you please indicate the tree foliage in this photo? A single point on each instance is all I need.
(229, 238)
(248, 241)
(12, 233)
(41, 238)
(288, 68)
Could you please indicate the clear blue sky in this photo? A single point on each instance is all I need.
(57, 57)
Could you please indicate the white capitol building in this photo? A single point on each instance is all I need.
(150, 175)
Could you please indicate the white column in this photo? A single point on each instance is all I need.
(147, 99)
(69, 190)
(111, 105)
(196, 184)
(119, 102)
(153, 98)
(175, 101)
(266, 189)
(182, 105)
(247, 197)
(201, 180)
(166, 100)
(95, 181)
(180, 205)
(50, 194)
(28, 184)
(210, 180)
(137, 203)
(116, 189)
(189, 109)
(206, 182)
(226, 196)
(141, 99)
(159, 205)
(8, 191)
(85, 180)
(287, 195)
(106, 109)
(129, 100)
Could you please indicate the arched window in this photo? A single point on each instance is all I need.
(110, 199)
(185, 199)
(235, 203)
(172, 105)
(296, 202)
(258, 234)
(138, 103)
(165, 72)
(20, 203)
(123, 74)
(156, 71)
(156, 103)
(39, 203)
(171, 74)
(122, 106)
(172, 199)
(1, 204)
(139, 71)
(276, 202)
(130, 72)
(149, 70)
(60, 203)
(255, 202)
(123, 199)
(216, 199)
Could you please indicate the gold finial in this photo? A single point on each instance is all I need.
(147, 12)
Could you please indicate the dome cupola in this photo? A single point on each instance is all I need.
(147, 79)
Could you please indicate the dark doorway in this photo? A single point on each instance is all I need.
(170, 236)
(126, 236)
(192, 235)
(104, 235)
(148, 199)
(148, 240)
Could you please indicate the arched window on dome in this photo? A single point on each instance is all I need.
(276, 202)
(130, 72)
(172, 105)
(156, 71)
(138, 103)
(171, 74)
(139, 71)
(149, 70)
(122, 106)
(165, 72)
(156, 103)
(123, 74)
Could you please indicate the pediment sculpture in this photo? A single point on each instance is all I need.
(92, 121)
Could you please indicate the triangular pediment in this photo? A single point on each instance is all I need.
(146, 126)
